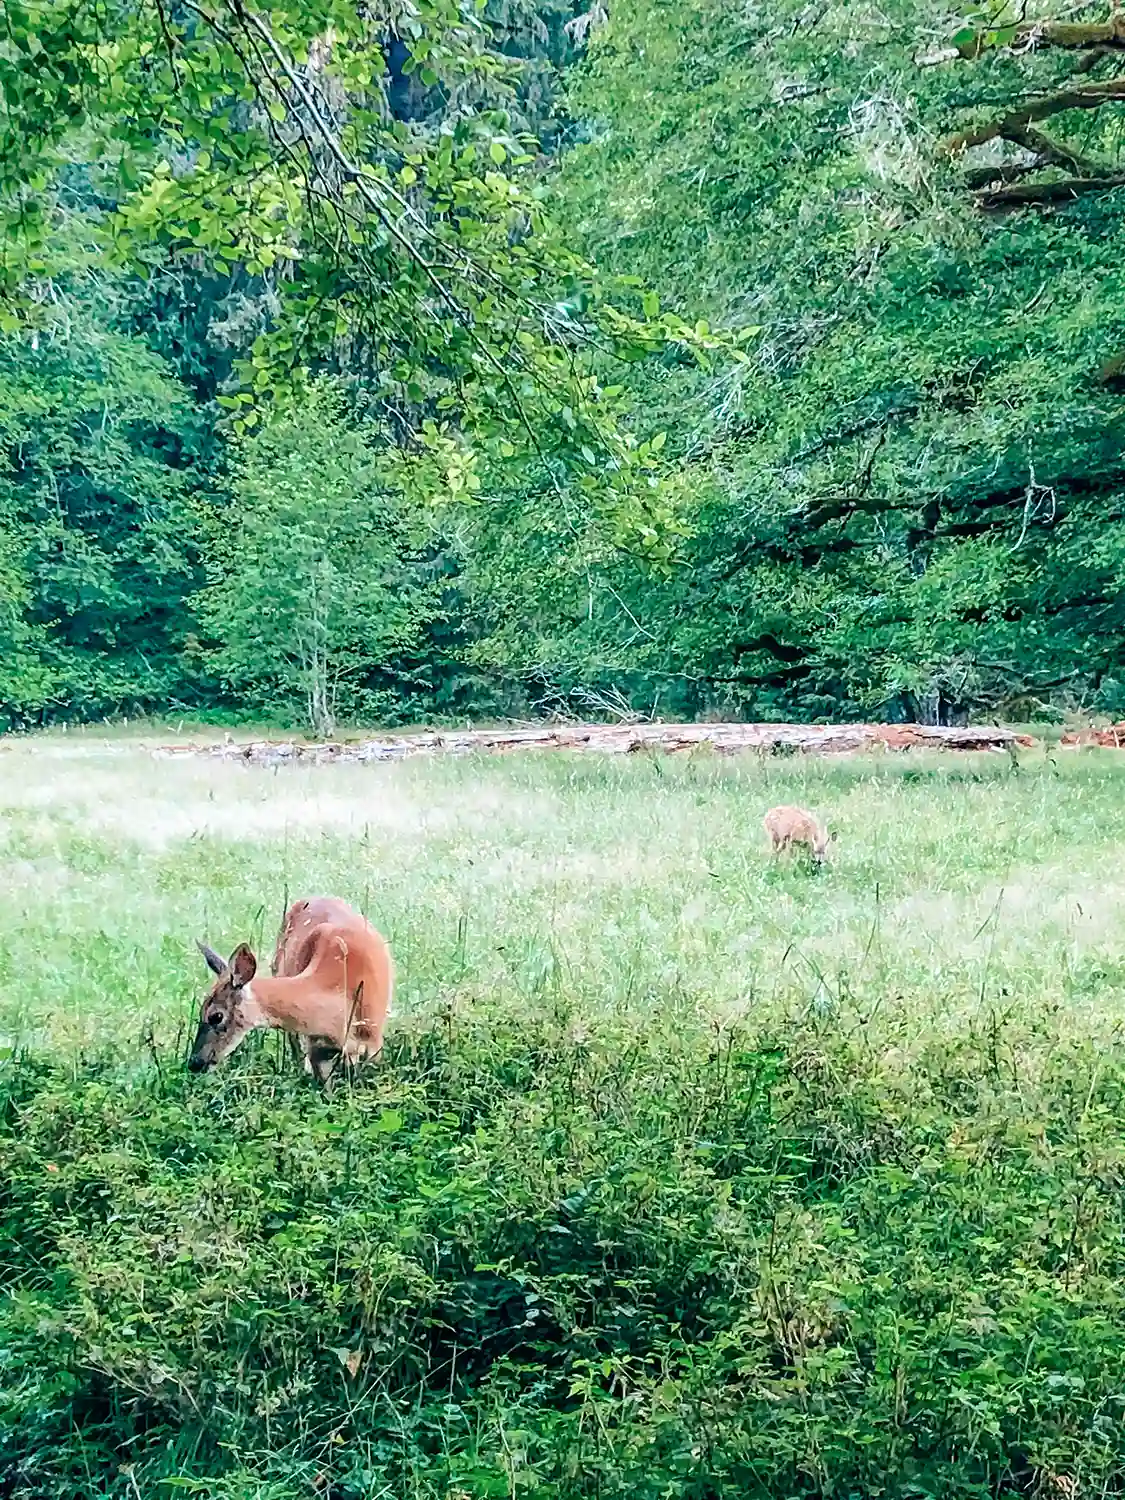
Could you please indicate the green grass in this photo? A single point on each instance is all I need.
(685, 1173)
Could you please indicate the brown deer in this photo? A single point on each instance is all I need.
(789, 826)
(330, 990)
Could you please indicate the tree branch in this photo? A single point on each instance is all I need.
(1063, 190)
(371, 190)
(1054, 153)
(1072, 36)
(1013, 171)
(1010, 127)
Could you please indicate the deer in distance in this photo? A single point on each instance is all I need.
(330, 990)
(790, 827)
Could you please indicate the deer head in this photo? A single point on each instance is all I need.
(228, 1011)
(820, 850)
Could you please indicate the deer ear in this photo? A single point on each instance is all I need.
(214, 962)
(243, 965)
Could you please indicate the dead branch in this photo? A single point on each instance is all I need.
(1062, 190)
(622, 739)
(1054, 153)
(1004, 172)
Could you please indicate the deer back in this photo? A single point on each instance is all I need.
(343, 967)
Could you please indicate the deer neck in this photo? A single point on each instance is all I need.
(280, 1003)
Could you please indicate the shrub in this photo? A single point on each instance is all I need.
(524, 1259)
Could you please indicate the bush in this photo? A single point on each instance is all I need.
(524, 1259)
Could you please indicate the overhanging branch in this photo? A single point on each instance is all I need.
(1071, 36)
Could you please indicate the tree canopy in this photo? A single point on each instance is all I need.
(911, 498)
(701, 357)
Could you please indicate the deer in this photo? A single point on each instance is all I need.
(789, 826)
(330, 990)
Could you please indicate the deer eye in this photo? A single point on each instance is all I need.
(215, 1019)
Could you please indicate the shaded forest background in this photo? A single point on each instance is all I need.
(840, 290)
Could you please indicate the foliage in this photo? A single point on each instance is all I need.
(313, 596)
(264, 140)
(97, 552)
(601, 1268)
(910, 500)
(718, 359)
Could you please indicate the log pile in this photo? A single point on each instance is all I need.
(620, 739)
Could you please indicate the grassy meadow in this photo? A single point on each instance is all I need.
(684, 1173)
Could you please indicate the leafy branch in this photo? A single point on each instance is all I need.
(260, 138)
(1005, 185)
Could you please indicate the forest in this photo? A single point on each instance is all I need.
(443, 360)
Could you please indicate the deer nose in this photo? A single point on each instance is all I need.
(196, 1063)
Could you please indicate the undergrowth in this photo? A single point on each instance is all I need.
(527, 1262)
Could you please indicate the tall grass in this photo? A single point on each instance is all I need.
(685, 1172)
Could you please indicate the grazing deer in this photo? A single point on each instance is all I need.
(787, 826)
(330, 989)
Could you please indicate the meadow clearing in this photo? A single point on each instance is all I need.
(684, 1173)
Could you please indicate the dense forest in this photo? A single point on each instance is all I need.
(473, 358)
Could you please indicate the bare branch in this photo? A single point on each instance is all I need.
(1002, 172)
(1063, 190)
(1011, 126)
(1054, 153)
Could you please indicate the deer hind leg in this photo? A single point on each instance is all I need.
(345, 1062)
(306, 1055)
(359, 1051)
(363, 1043)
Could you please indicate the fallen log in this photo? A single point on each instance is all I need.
(620, 739)
(1112, 738)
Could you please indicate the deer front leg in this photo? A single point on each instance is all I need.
(322, 1058)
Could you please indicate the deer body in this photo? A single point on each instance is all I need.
(330, 989)
(790, 826)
